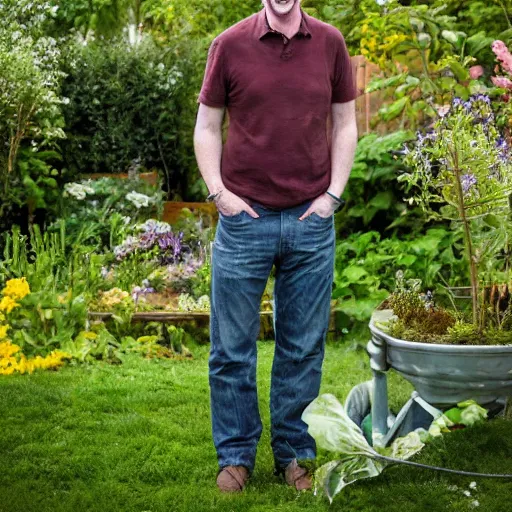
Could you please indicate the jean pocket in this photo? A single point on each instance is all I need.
(316, 218)
(237, 216)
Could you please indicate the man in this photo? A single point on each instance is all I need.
(276, 183)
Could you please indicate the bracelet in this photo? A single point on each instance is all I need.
(212, 197)
(336, 198)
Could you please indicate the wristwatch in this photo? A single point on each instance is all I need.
(338, 200)
(212, 196)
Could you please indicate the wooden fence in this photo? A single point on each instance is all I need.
(367, 105)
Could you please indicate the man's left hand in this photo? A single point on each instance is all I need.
(324, 206)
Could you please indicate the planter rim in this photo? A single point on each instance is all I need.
(439, 347)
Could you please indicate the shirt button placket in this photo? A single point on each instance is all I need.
(287, 48)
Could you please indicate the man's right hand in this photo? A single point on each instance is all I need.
(230, 204)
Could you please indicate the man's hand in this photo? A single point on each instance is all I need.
(324, 206)
(230, 204)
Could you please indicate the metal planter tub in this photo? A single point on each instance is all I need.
(444, 375)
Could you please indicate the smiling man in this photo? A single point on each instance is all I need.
(280, 74)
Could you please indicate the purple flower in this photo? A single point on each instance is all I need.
(468, 181)
(171, 245)
(137, 291)
(457, 102)
(481, 97)
(127, 247)
(155, 226)
(147, 240)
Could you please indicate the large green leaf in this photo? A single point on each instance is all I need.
(354, 273)
(460, 72)
(382, 83)
(382, 200)
(392, 111)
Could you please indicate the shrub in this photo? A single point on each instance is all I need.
(123, 108)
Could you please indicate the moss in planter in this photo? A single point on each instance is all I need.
(419, 314)
(461, 333)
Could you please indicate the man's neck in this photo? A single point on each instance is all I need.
(288, 25)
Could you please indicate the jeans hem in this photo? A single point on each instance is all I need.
(237, 462)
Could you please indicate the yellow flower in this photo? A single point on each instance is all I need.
(3, 332)
(9, 364)
(16, 288)
(7, 304)
(8, 349)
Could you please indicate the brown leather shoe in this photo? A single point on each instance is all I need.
(297, 476)
(232, 478)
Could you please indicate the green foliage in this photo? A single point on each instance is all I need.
(123, 109)
(47, 321)
(461, 172)
(199, 283)
(98, 213)
(416, 312)
(101, 18)
(56, 309)
(30, 106)
(373, 196)
(195, 18)
(366, 265)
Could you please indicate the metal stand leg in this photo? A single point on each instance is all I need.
(379, 408)
(378, 362)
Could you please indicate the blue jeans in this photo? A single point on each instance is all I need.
(244, 251)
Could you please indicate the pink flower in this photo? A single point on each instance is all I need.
(501, 81)
(442, 110)
(475, 72)
(503, 55)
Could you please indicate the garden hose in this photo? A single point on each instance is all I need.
(436, 468)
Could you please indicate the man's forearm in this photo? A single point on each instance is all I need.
(208, 150)
(344, 142)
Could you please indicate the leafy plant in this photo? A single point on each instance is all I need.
(98, 213)
(123, 107)
(373, 198)
(366, 265)
(30, 104)
(460, 172)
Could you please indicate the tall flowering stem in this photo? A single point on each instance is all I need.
(461, 172)
(467, 234)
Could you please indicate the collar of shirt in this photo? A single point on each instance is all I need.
(263, 27)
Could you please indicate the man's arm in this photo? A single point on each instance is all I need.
(344, 142)
(343, 148)
(208, 150)
(208, 145)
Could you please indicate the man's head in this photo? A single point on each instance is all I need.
(280, 8)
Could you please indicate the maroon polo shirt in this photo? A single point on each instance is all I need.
(278, 93)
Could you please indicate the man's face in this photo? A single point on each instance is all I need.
(280, 7)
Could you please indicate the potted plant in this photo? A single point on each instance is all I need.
(459, 172)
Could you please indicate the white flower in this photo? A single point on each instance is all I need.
(139, 200)
(77, 190)
(467, 493)
(475, 503)
(472, 485)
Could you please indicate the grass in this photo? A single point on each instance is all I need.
(136, 437)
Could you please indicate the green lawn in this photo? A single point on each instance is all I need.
(136, 437)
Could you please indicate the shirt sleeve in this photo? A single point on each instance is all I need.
(214, 91)
(344, 86)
